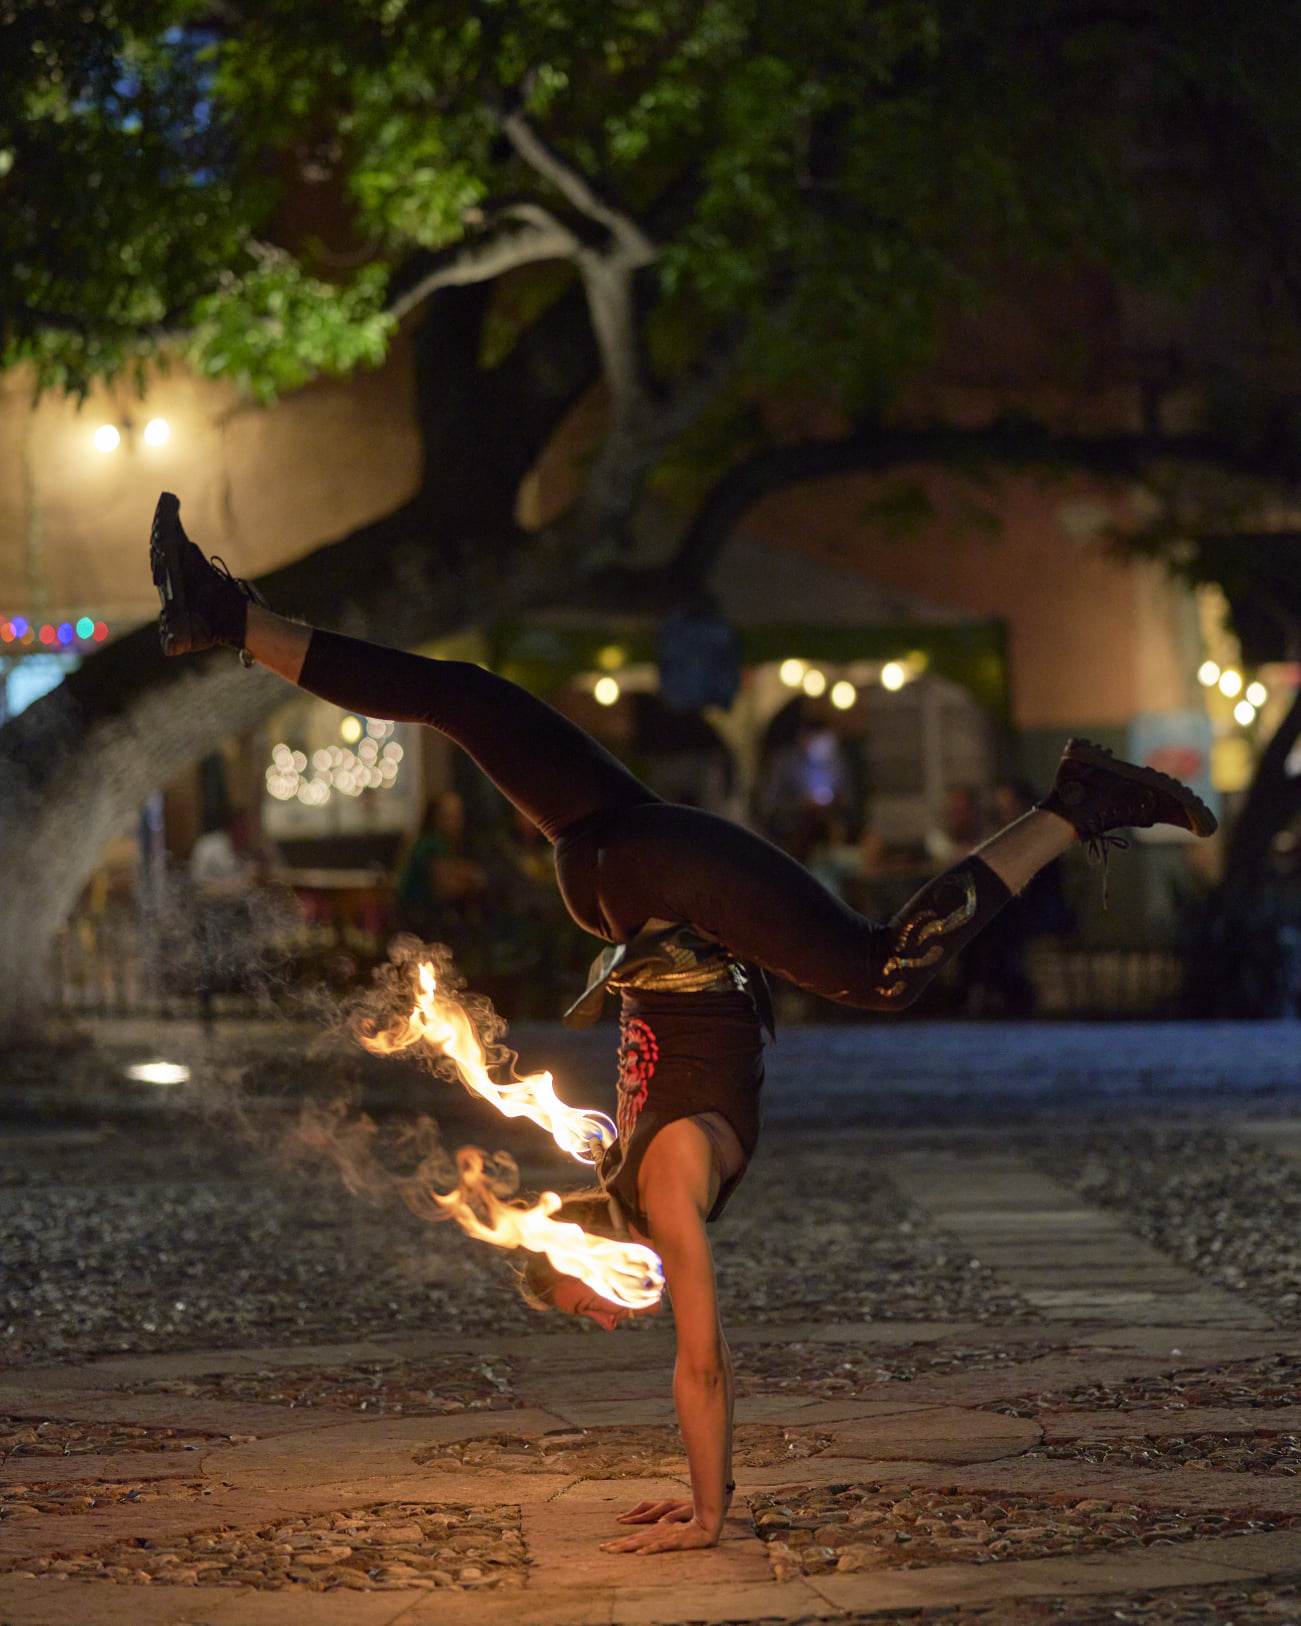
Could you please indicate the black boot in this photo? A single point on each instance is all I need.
(202, 603)
(1098, 794)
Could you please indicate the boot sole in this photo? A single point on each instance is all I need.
(165, 541)
(1201, 821)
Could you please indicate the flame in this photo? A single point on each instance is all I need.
(626, 1273)
(444, 1025)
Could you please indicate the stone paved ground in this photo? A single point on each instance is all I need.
(1016, 1316)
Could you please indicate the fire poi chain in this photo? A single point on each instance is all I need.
(626, 1273)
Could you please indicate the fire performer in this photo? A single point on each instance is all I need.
(696, 909)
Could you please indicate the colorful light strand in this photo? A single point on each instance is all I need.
(17, 629)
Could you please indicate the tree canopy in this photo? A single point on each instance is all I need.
(808, 185)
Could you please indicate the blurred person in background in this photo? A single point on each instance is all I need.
(226, 866)
(997, 981)
(440, 884)
(961, 828)
(806, 781)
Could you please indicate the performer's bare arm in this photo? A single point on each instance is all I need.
(678, 1184)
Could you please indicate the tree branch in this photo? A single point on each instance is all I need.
(637, 249)
(535, 235)
(1012, 444)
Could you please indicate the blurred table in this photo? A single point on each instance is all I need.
(346, 901)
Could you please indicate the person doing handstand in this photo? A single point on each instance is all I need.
(696, 909)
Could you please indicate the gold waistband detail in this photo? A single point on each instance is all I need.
(685, 979)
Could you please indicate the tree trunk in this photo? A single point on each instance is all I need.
(77, 766)
(1273, 800)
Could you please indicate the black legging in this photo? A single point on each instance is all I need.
(624, 856)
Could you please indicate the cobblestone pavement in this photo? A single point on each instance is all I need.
(1017, 1341)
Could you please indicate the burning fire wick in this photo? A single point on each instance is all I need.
(626, 1273)
(445, 1026)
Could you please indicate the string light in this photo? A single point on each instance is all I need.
(107, 438)
(334, 768)
(157, 432)
(85, 629)
(814, 683)
(893, 676)
(606, 691)
(1258, 694)
(1245, 713)
(843, 695)
(792, 672)
(1230, 682)
(1208, 674)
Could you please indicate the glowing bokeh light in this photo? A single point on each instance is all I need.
(159, 1072)
(1208, 674)
(792, 672)
(157, 432)
(893, 676)
(107, 438)
(1230, 682)
(606, 691)
(351, 729)
(1258, 694)
(1245, 713)
(85, 627)
(843, 695)
(814, 683)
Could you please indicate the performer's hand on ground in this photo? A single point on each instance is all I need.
(669, 1510)
(664, 1536)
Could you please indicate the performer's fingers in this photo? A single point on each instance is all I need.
(639, 1511)
(645, 1512)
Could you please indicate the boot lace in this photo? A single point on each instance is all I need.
(1099, 850)
(246, 587)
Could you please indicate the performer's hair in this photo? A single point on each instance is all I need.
(537, 1276)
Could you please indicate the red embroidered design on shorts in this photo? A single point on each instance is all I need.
(639, 1050)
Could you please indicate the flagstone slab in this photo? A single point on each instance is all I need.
(615, 1496)
(95, 1603)
(870, 1332)
(655, 1409)
(826, 1470)
(665, 1606)
(1182, 1564)
(1265, 1552)
(125, 1521)
(1051, 1373)
(217, 1417)
(877, 1593)
(352, 1449)
(533, 1606)
(948, 1434)
(1203, 1346)
(288, 1608)
(950, 1584)
(123, 1465)
(1102, 1425)
(850, 1411)
(1263, 1494)
(554, 1392)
